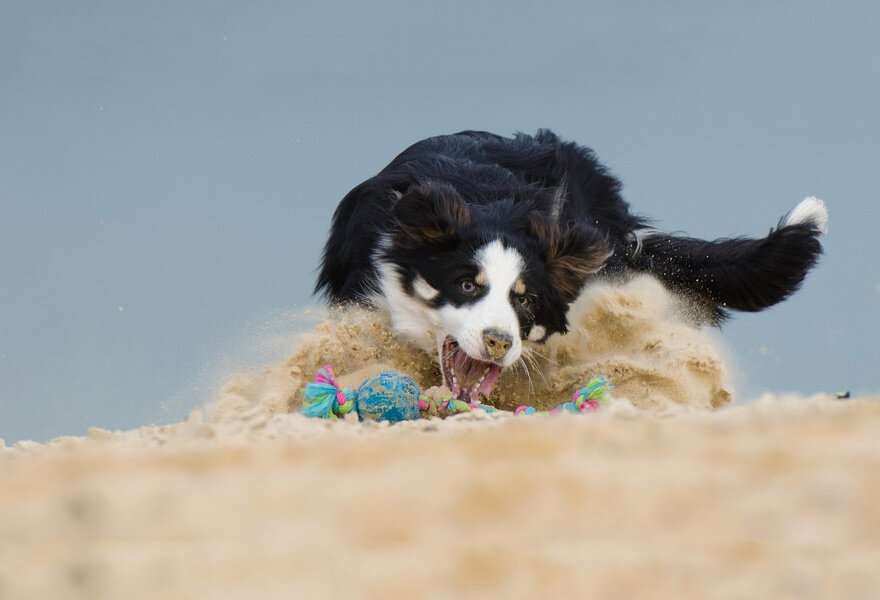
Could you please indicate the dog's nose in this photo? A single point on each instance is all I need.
(497, 343)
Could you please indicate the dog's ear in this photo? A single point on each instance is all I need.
(430, 213)
(573, 253)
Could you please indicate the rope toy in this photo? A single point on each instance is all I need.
(393, 396)
(586, 399)
(389, 396)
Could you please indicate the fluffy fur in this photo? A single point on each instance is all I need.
(473, 240)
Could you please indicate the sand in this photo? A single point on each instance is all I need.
(634, 333)
(671, 492)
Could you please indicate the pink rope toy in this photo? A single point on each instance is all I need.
(586, 399)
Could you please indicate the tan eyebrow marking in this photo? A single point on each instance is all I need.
(519, 287)
(481, 278)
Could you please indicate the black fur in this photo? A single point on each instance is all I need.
(435, 233)
(445, 196)
(740, 273)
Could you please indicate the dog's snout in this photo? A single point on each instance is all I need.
(496, 343)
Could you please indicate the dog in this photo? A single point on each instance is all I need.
(476, 243)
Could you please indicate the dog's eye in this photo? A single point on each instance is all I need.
(467, 286)
(524, 301)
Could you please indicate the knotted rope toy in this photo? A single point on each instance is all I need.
(586, 399)
(393, 396)
(389, 396)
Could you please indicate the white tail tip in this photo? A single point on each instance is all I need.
(809, 210)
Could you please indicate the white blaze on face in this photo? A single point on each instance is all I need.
(500, 268)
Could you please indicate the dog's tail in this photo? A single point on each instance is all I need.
(741, 273)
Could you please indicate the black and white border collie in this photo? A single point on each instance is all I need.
(475, 243)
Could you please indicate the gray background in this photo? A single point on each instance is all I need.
(168, 169)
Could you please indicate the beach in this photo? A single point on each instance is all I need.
(676, 489)
(777, 499)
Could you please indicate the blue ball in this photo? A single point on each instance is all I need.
(389, 396)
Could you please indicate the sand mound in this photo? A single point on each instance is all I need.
(640, 337)
(633, 332)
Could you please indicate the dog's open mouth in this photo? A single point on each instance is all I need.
(470, 379)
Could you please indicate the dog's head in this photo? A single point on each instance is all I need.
(481, 279)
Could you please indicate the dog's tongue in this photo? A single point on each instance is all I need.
(473, 379)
